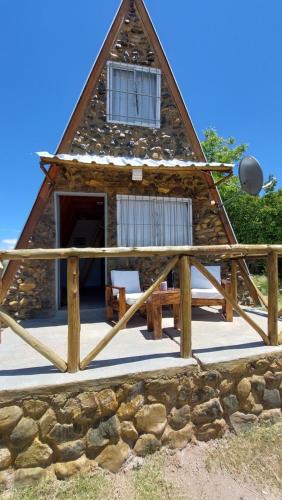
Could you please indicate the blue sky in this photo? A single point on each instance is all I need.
(226, 56)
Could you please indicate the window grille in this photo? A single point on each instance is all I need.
(153, 221)
(133, 94)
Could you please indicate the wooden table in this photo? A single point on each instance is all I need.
(154, 309)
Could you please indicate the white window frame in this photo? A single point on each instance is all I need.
(131, 67)
(165, 199)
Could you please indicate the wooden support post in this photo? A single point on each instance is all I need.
(234, 281)
(73, 315)
(186, 307)
(273, 285)
(228, 306)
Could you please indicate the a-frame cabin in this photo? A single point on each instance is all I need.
(130, 107)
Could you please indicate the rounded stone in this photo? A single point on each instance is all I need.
(71, 412)
(271, 399)
(241, 422)
(162, 391)
(249, 405)
(230, 404)
(47, 422)
(35, 408)
(63, 432)
(177, 438)
(88, 402)
(146, 445)
(202, 394)
(107, 402)
(107, 432)
(244, 388)
(5, 458)
(273, 380)
(184, 392)
(37, 455)
(24, 432)
(179, 417)
(68, 469)
(213, 430)
(9, 417)
(225, 387)
(272, 416)
(207, 412)
(28, 476)
(151, 419)
(71, 450)
(127, 411)
(113, 456)
(128, 432)
(258, 384)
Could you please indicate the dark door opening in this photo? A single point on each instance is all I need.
(82, 224)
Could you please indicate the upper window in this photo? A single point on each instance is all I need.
(133, 94)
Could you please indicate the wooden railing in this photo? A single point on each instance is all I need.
(185, 257)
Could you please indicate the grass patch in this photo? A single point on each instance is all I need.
(92, 486)
(262, 284)
(255, 456)
(149, 481)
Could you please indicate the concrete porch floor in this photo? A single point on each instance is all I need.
(131, 352)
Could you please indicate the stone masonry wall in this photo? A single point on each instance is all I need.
(61, 432)
(95, 135)
(32, 292)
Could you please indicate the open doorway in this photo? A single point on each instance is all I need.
(82, 224)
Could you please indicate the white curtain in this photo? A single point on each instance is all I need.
(133, 96)
(149, 221)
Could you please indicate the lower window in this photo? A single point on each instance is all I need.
(153, 221)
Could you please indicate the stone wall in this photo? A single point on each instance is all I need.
(59, 432)
(95, 135)
(33, 290)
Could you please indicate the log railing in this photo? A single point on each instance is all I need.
(184, 257)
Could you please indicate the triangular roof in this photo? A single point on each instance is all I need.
(80, 108)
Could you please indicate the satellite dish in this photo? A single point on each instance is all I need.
(250, 175)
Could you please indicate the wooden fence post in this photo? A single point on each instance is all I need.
(186, 307)
(273, 285)
(73, 315)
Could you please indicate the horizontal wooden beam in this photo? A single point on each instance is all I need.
(97, 253)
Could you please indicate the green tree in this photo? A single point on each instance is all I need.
(220, 149)
(255, 219)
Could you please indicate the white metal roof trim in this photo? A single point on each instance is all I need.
(121, 161)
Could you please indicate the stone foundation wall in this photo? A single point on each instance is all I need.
(62, 431)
